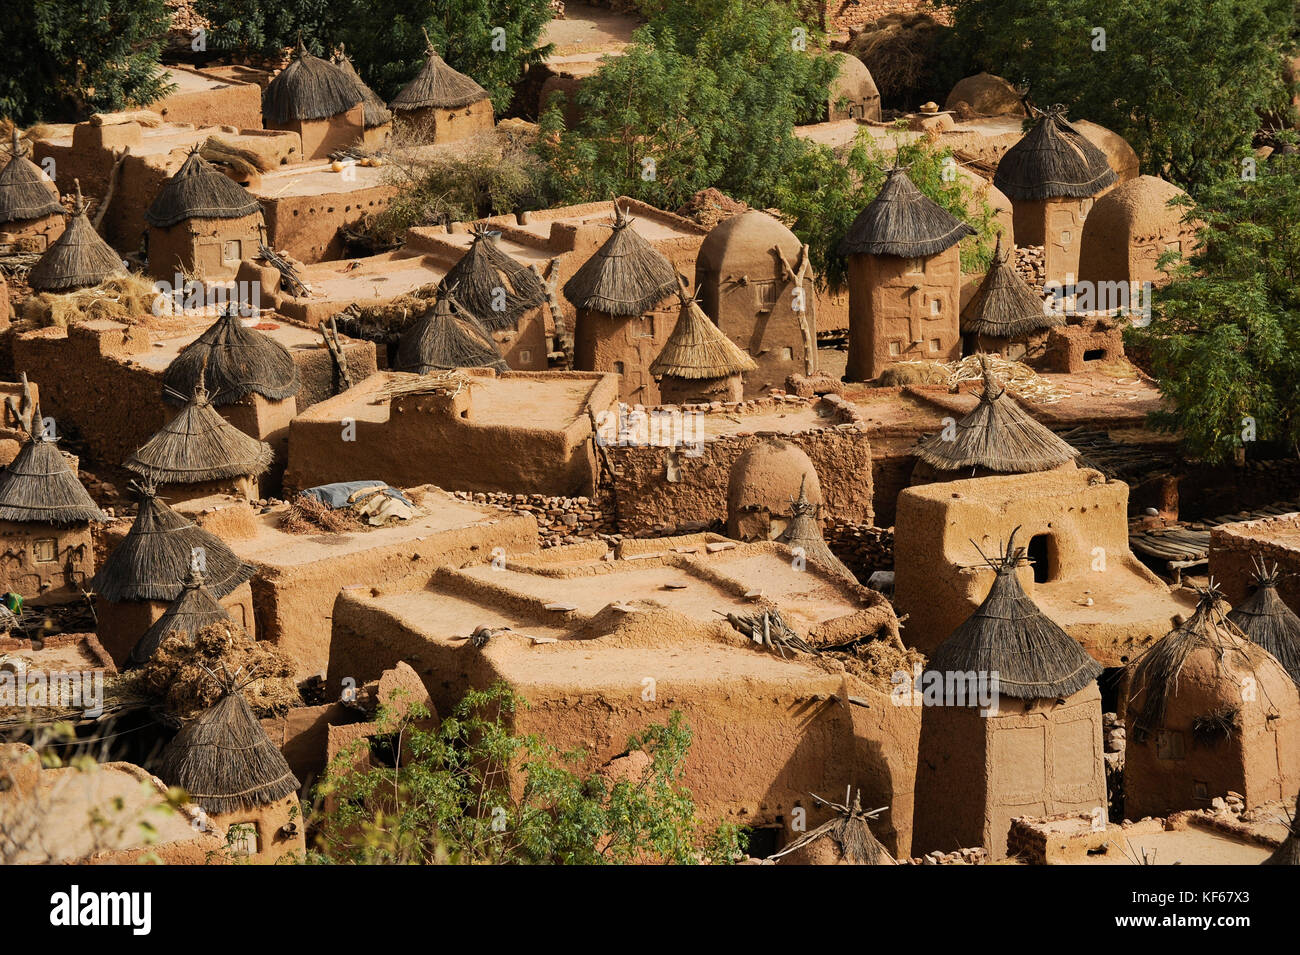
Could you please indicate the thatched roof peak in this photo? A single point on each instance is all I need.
(438, 85)
(79, 258)
(199, 445)
(446, 336)
(1009, 635)
(1004, 306)
(225, 761)
(39, 486)
(1267, 621)
(189, 613)
(698, 349)
(804, 532)
(998, 435)
(25, 191)
(494, 287)
(850, 837)
(627, 276)
(198, 191)
(308, 88)
(236, 360)
(903, 221)
(373, 108)
(1053, 160)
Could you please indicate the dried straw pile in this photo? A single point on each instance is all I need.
(306, 515)
(194, 610)
(128, 299)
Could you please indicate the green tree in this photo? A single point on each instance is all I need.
(1223, 334)
(448, 797)
(1184, 83)
(73, 57)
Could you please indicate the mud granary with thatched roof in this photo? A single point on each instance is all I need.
(1267, 621)
(754, 279)
(904, 280)
(188, 614)
(1005, 316)
(442, 104)
(31, 216)
(509, 299)
(446, 336)
(317, 100)
(202, 223)
(377, 117)
(230, 768)
(620, 294)
(1016, 730)
(79, 258)
(698, 363)
(1052, 177)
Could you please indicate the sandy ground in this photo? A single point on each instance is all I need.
(587, 29)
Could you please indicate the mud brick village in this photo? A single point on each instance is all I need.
(842, 440)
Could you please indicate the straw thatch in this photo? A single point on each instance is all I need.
(39, 486)
(225, 761)
(25, 192)
(697, 348)
(438, 85)
(127, 299)
(1008, 635)
(445, 337)
(156, 556)
(198, 191)
(374, 112)
(77, 259)
(1288, 853)
(627, 275)
(1004, 306)
(999, 436)
(851, 838)
(903, 221)
(189, 613)
(237, 361)
(484, 269)
(1053, 160)
(805, 533)
(308, 88)
(1269, 622)
(199, 445)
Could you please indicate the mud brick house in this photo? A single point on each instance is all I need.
(376, 117)
(31, 216)
(202, 98)
(442, 105)
(306, 205)
(1130, 228)
(318, 101)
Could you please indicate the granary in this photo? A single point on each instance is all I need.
(1268, 622)
(1083, 573)
(698, 363)
(622, 323)
(753, 278)
(1005, 316)
(508, 298)
(854, 94)
(1130, 228)
(1052, 177)
(198, 453)
(229, 767)
(189, 613)
(446, 337)
(201, 224)
(765, 481)
(904, 280)
(148, 568)
(1209, 713)
(31, 216)
(45, 517)
(78, 258)
(997, 437)
(249, 376)
(318, 101)
(376, 117)
(846, 839)
(803, 535)
(1017, 731)
(442, 105)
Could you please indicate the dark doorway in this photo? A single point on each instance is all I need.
(1039, 553)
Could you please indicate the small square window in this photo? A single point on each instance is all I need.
(1066, 238)
(895, 348)
(936, 306)
(45, 550)
(1175, 246)
(1200, 789)
(916, 265)
(787, 354)
(935, 344)
(1170, 745)
(241, 839)
(618, 367)
(525, 355)
(232, 250)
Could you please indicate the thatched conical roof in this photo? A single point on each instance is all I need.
(1053, 160)
(39, 486)
(850, 839)
(998, 435)
(198, 191)
(439, 86)
(626, 276)
(444, 337)
(1004, 306)
(199, 445)
(236, 361)
(903, 221)
(374, 112)
(156, 556)
(225, 761)
(308, 88)
(189, 613)
(805, 532)
(1033, 657)
(1269, 622)
(77, 259)
(481, 271)
(25, 191)
(697, 349)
